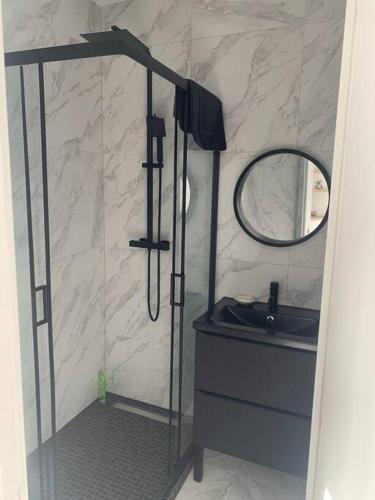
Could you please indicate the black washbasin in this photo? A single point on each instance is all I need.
(279, 322)
(289, 324)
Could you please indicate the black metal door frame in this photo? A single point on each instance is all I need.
(45, 288)
(177, 274)
(180, 275)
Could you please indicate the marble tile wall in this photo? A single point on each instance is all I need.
(276, 67)
(138, 350)
(76, 201)
(230, 478)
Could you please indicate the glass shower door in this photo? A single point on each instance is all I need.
(177, 293)
(197, 264)
(25, 100)
(189, 281)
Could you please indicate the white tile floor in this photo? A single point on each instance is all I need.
(228, 478)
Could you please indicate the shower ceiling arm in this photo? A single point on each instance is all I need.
(109, 43)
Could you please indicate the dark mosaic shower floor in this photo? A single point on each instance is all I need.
(107, 453)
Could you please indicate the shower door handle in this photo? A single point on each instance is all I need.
(44, 319)
(174, 302)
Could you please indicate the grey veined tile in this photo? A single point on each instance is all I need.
(215, 485)
(74, 104)
(319, 86)
(76, 201)
(154, 22)
(236, 277)
(257, 76)
(223, 17)
(325, 10)
(244, 488)
(311, 252)
(229, 478)
(42, 23)
(233, 242)
(305, 287)
(124, 122)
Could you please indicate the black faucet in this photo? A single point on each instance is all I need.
(273, 300)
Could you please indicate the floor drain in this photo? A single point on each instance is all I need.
(143, 413)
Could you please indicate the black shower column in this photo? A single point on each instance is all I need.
(150, 154)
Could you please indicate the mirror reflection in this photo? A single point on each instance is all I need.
(282, 198)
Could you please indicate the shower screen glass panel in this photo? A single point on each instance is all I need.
(27, 188)
(192, 254)
(176, 294)
(197, 257)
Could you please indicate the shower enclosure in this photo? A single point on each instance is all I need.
(125, 448)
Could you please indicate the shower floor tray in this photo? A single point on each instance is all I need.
(117, 451)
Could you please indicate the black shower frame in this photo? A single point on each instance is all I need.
(117, 42)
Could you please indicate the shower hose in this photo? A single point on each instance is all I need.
(155, 316)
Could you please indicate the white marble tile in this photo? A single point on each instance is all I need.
(229, 478)
(310, 253)
(137, 349)
(19, 213)
(124, 126)
(198, 217)
(77, 384)
(197, 278)
(270, 195)
(77, 295)
(79, 343)
(234, 277)
(215, 485)
(257, 76)
(223, 17)
(276, 478)
(43, 23)
(78, 325)
(76, 201)
(124, 99)
(74, 105)
(125, 200)
(152, 21)
(250, 489)
(233, 242)
(305, 287)
(325, 10)
(223, 461)
(319, 86)
(125, 144)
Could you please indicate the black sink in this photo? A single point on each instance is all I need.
(287, 322)
(278, 322)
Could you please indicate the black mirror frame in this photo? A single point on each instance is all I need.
(237, 191)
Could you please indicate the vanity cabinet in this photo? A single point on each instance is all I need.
(253, 400)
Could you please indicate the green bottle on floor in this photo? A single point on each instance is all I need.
(101, 387)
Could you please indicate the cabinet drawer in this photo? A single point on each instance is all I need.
(259, 373)
(254, 433)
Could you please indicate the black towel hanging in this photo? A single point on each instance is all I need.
(204, 116)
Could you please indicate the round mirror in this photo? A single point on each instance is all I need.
(282, 197)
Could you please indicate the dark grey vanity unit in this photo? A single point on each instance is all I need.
(254, 384)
